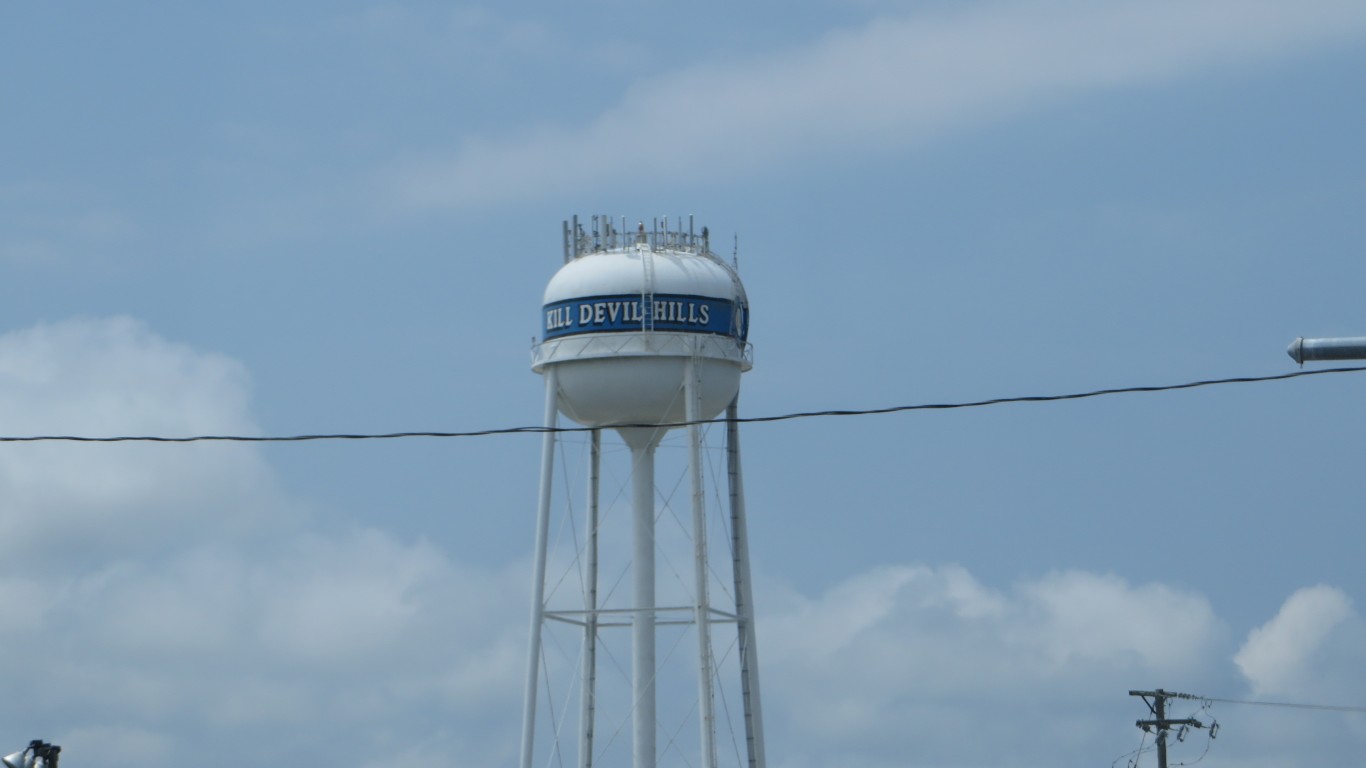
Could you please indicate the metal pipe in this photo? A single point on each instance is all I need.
(588, 704)
(538, 572)
(692, 390)
(1345, 348)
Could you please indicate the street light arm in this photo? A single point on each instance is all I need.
(1343, 348)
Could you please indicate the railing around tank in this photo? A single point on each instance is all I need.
(638, 344)
(602, 234)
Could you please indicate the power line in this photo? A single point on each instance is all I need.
(1327, 707)
(671, 425)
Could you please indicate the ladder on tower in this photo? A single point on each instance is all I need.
(647, 289)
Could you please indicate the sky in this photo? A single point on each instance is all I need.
(317, 217)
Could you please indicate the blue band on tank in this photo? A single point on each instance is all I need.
(667, 312)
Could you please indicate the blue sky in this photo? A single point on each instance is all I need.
(325, 217)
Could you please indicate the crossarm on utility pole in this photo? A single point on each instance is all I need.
(1160, 723)
(1167, 695)
(1164, 724)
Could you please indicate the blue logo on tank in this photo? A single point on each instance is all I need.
(665, 312)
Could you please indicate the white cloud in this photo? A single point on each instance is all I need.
(351, 643)
(1082, 617)
(908, 664)
(1054, 623)
(923, 665)
(323, 612)
(895, 82)
(1313, 651)
(110, 377)
(160, 601)
(1310, 651)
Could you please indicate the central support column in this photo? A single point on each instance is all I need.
(643, 442)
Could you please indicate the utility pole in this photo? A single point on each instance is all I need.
(1158, 707)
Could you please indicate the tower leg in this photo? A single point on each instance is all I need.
(538, 572)
(744, 595)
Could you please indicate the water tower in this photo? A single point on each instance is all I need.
(644, 332)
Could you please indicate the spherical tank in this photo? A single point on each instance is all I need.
(625, 315)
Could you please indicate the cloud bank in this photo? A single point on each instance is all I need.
(164, 605)
(171, 605)
(918, 665)
(1316, 630)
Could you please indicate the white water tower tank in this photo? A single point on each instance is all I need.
(624, 314)
(643, 329)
